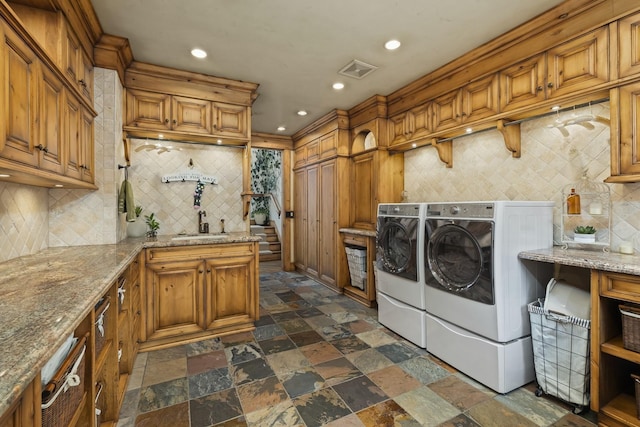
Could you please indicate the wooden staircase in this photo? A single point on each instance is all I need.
(270, 249)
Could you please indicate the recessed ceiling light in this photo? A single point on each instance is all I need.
(338, 86)
(392, 45)
(219, 142)
(469, 130)
(555, 108)
(4, 175)
(160, 136)
(58, 185)
(302, 113)
(414, 145)
(199, 53)
(281, 128)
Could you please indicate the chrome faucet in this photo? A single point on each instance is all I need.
(203, 227)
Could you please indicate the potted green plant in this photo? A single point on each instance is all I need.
(584, 234)
(260, 215)
(152, 224)
(137, 227)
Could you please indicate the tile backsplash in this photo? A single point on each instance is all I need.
(173, 203)
(483, 169)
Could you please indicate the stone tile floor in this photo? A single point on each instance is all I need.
(319, 358)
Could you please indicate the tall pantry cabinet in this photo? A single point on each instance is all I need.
(321, 198)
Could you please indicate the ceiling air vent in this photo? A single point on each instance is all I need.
(357, 69)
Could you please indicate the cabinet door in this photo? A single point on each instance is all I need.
(86, 146)
(148, 110)
(86, 78)
(400, 128)
(420, 121)
(71, 134)
(480, 98)
(230, 120)
(299, 157)
(313, 220)
(447, 111)
(190, 115)
(328, 145)
(19, 115)
(363, 190)
(51, 119)
(578, 64)
(174, 298)
(229, 295)
(24, 412)
(629, 145)
(300, 218)
(327, 222)
(522, 84)
(629, 45)
(72, 56)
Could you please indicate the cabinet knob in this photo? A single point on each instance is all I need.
(166, 120)
(550, 84)
(208, 270)
(539, 89)
(42, 148)
(200, 271)
(175, 121)
(82, 83)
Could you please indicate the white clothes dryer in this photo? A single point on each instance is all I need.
(400, 270)
(477, 290)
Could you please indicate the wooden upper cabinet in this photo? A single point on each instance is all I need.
(190, 115)
(230, 120)
(578, 64)
(625, 149)
(522, 84)
(51, 140)
(447, 110)
(400, 128)
(363, 190)
(156, 111)
(20, 87)
(148, 110)
(328, 145)
(480, 99)
(76, 64)
(72, 114)
(300, 157)
(629, 45)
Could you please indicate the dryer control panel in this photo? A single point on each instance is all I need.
(460, 210)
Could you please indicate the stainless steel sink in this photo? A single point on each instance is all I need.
(200, 237)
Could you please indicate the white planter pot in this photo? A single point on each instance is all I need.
(260, 218)
(137, 228)
(584, 238)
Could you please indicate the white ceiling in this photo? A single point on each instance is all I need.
(295, 48)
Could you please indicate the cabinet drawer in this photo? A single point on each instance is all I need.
(356, 240)
(621, 286)
(198, 252)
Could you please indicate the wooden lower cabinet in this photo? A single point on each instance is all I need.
(198, 292)
(26, 411)
(612, 388)
(366, 294)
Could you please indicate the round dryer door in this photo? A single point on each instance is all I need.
(396, 247)
(455, 257)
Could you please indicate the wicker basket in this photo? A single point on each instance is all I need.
(101, 323)
(357, 259)
(63, 394)
(630, 327)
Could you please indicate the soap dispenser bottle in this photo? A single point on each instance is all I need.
(573, 203)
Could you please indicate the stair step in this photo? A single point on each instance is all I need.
(270, 257)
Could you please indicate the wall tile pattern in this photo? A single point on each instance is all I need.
(79, 217)
(24, 220)
(172, 202)
(483, 169)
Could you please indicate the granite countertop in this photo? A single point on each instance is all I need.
(592, 259)
(359, 232)
(44, 296)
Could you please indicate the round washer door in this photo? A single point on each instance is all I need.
(455, 257)
(396, 246)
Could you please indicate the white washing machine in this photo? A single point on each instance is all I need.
(400, 270)
(477, 290)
